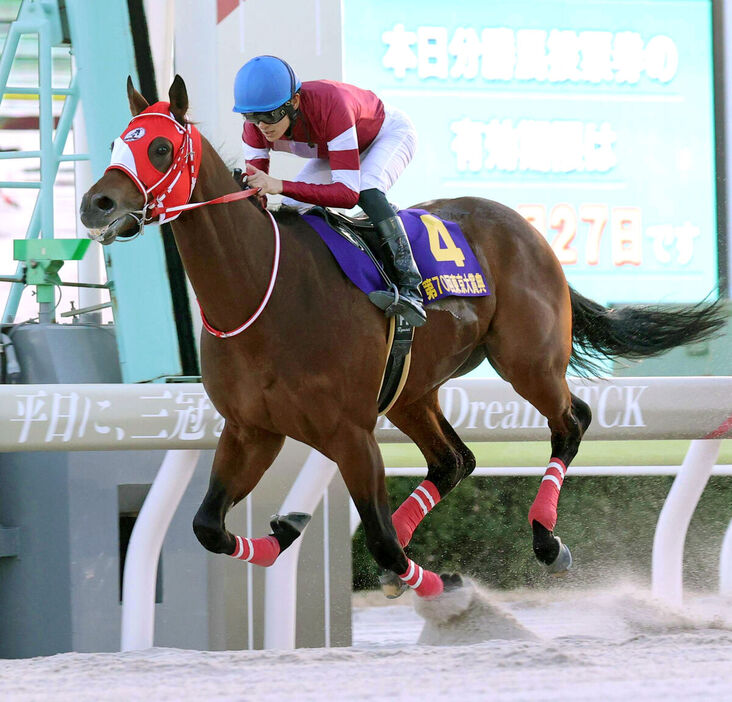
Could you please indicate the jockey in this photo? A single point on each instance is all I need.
(357, 148)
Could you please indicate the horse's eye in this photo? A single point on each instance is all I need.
(162, 150)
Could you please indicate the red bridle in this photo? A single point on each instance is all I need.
(168, 196)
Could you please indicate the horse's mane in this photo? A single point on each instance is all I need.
(285, 214)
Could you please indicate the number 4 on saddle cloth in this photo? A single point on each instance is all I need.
(444, 259)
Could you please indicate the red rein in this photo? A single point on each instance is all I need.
(265, 299)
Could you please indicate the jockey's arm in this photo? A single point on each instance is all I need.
(333, 194)
(257, 178)
(256, 155)
(344, 161)
(343, 156)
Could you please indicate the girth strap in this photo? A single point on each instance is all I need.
(400, 339)
(401, 334)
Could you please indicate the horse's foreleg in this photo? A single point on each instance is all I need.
(566, 434)
(359, 459)
(449, 460)
(242, 457)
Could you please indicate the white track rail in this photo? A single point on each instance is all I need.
(181, 419)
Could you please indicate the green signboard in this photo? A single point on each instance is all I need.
(593, 118)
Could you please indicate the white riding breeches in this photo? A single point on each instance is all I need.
(381, 163)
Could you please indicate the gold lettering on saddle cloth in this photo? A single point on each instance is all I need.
(454, 283)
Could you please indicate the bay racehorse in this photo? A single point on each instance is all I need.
(309, 360)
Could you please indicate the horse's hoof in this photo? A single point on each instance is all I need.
(451, 581)
(563, 562)
(546, 545)
(287, 527)
(551, 552)
(392, 585)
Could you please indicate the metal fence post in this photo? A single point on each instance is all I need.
(143, 552)
(725, 564)
(280, 597)
(673, 522)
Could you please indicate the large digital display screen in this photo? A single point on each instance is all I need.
(593, 118)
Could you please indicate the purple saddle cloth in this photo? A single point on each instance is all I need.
(447, 264)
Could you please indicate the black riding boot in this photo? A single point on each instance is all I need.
(398, 252)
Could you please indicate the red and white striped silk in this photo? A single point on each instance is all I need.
(340, 121)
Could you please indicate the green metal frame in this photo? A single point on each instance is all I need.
(42, 18)
(101, 38)
(44, 258)
(147, 337)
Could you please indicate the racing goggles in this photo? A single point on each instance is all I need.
(271, 117)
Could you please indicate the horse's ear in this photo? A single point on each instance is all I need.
(178, 99)
(137, 102)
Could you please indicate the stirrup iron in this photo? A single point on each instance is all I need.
(392, 303)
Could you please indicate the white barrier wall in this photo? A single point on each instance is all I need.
(180, 416)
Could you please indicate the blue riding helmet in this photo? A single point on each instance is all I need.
(264, 83)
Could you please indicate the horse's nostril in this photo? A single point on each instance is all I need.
(103, 203)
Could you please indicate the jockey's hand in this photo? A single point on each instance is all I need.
(266, 183)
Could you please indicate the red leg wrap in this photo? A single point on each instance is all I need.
(544, 509)
(261, 552)
(424, 582)
(413, 510)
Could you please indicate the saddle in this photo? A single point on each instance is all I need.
(360, 223)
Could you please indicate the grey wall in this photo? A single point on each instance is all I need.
(60, 588)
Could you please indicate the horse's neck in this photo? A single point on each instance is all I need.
(226, 249)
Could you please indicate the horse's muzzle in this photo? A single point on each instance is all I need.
(105, 220)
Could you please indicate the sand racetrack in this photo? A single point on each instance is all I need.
(614, 644)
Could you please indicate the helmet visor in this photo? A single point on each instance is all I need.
(271, 117)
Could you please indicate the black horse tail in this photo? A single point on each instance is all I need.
(636, 331)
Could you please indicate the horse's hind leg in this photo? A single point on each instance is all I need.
(242, 457)
(357, 454)
(532, 353)
(566, 434)
(568, 418)
(449, 460)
